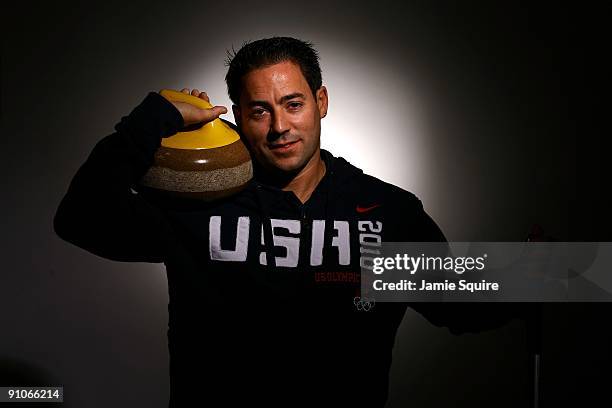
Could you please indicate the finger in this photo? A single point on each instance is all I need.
(185, 90)
(195, 92)
(204, 96)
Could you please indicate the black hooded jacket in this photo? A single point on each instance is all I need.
(251, 322)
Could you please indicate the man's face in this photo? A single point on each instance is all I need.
(280, 117)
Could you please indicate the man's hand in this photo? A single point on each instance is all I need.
(192, 114)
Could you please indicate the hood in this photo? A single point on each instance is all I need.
(340, 171)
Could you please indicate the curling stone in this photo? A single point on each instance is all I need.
(206, 163)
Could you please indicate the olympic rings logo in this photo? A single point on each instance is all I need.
(364, 304)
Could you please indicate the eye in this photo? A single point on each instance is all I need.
(257, 113)
(294, 105)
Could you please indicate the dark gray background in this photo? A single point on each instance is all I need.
(498, 152)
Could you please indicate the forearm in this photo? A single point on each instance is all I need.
(99, 212)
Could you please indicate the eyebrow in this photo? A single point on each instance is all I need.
(282, 100)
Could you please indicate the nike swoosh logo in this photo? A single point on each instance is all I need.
(361, 209)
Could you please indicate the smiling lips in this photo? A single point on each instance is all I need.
(283, 146)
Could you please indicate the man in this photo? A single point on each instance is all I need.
(264, 286)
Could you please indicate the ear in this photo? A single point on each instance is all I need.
(237, 116)
(322, 101)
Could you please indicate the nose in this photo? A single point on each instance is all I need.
(279, 124)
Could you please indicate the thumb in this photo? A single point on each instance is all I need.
(208, 115)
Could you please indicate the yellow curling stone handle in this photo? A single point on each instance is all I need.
(211, 135)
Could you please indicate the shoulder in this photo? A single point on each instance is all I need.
(367, 187)
(399, 209)
(387, 190)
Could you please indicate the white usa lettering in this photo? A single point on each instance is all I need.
(340, 240)
(239, 253)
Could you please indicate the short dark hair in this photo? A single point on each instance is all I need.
(270, 51)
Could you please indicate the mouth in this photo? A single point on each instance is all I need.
(283, 147)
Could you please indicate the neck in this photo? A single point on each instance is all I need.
(302, 182)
